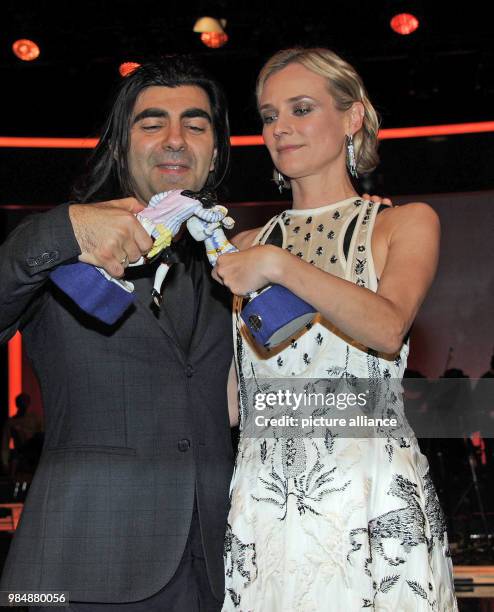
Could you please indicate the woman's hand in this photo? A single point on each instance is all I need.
(251, 269)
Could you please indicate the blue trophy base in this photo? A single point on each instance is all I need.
(275, 315)
(92, 292)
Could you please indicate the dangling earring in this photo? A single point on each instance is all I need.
(350, 158)
(280, 181)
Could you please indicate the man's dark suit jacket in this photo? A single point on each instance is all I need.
(136, 425)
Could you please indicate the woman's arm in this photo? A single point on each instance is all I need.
(377, 320)
(244, 239)
(232, 395)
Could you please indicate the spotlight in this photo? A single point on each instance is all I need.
(212, 31)
(404, 23)
(214, 39)
(26, 50)
(127, 68)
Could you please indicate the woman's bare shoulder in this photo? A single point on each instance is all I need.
(244, 240)
(405, 214)
(409, 209)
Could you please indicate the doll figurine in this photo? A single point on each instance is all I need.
(107, 298)
(272, 315)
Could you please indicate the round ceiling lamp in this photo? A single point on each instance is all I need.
(214, 40)
(212, 31)
(404, 23)
(25, 49)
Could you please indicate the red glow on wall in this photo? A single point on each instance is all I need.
(247, 141)
(404, 23)
(22, 142)
(127, 68)
(427, 131)
(26, 50)
(15, 371)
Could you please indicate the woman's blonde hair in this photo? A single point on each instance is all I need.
(344, 85)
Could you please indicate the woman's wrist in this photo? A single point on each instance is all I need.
(276, 264)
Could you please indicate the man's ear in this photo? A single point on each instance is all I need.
(213, 160)
(355, 117)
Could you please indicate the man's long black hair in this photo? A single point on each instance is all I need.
(108, 175)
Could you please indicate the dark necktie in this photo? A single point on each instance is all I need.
(180, 290)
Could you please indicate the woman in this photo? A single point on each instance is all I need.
(327, 521)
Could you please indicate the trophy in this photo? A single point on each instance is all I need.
(272, 314)
(106, 298)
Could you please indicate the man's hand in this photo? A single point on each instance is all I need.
(109, 235)
(376, 199)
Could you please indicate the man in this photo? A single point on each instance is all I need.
(129, 502)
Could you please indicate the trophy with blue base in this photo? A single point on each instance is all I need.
(107, 299)
(272, 315)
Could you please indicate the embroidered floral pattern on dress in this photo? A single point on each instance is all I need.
(355, 522)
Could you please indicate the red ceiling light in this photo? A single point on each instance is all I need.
(26, 50)
(404, 23)
(214, 40)
(127, 68)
